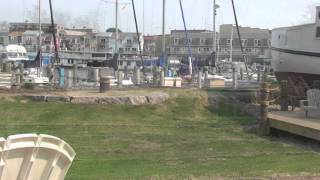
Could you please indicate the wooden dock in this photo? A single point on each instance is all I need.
(295, 123)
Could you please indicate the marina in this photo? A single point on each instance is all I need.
(159, 90)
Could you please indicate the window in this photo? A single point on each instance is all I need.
(129, 41)
(318, 32)
(244, 42)
(134, 49)
(1, 40)
(176, 41)
(257, 42)
(202, 41)
(228, 42)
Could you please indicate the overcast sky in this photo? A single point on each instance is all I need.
(255, 13)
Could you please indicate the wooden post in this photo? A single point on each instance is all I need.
(120, 78)
(200, 80)
(69, 79)
(284, 96)
(162, 78)
(264, 128)
(96, 76)
(138, 76)
(155, 76)
(259, 75)
(206, 79)
(18, 77)
(75, 74)
(234, 78)
(21, 68)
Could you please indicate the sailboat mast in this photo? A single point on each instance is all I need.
(143, 18)
(188, 39)
(117, 26)
(214, 27)
(164, 29)
(40, 30)
(56, 50)
(231, 45)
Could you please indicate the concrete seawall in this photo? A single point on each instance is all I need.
(152, 99)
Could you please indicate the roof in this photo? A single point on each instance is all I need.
(31, 33)
(104, 34)
(152, 38)
(16, 34)
(297, 26)
(191, 31)
(74, 33)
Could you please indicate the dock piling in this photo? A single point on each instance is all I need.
(200, 80)
(284, 96)
(264, 127)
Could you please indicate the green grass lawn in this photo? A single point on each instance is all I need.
(183, 138)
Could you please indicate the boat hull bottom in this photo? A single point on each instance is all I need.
(298, 83)
(308, 78)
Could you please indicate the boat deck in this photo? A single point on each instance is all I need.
(296, 123)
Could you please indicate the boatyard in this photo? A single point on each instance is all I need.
(227, 101)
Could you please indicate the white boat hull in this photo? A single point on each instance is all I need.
(296, 53)
(291, 63)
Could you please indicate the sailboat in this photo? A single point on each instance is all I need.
(35, 76)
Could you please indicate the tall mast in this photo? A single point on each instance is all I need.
(163, 27)
(188, 38)
(214, 27)
(117, 28)
(143, 18)
(40, 36)
(231, 45)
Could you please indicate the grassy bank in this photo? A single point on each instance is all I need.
(185, 137)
